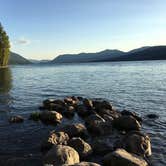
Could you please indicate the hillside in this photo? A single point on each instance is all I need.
(143, 53)
(88, 57)
(16, 59)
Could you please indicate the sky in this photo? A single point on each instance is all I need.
(44, 29)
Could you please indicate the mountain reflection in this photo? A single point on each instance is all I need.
(5, 80)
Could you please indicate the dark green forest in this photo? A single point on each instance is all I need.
(4, 47)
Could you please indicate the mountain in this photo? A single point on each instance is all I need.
(87, 57)
(143, 53)
(17, 59)
(149, 53)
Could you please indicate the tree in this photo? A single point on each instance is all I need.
(4, 47)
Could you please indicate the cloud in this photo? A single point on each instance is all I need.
(23, 41)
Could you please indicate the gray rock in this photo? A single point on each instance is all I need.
(61, 154)
(82, 147)
(120, 157)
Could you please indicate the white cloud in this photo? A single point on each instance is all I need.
(23, 41)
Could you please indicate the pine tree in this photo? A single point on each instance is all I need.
(4, 47)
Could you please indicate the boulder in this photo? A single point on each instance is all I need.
(83, 148)
(137, 143)
(102, 145)
(69, 112)
(126, 123)
(50, 117)
(88, 104)
(102, 105)
(54, 138)
(138, 118)
(83, 112)
(16, 119)
(120, 157)
(97, 125)
(70, 101)
(61, 154)
(86, 164)
(112, 113)
(75, 130)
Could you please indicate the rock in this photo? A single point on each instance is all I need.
(69, 112)
(75, 130)
(83, 148)
(126, 123)
(83, 112)
(102, 145)
(16, 119)
(70, 101)
(35, 116)
(125, 112)
(86, 164)
(50, 117)
(54, 138)
(61, 154)
(97, 125)
(120, 157)
(152, 116)
(107, 118)
(112, 113)
(102, 105)
(137, 143)
(88, 104)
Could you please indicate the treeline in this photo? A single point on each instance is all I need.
(4, 47)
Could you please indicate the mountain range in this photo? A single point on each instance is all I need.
(143, 53)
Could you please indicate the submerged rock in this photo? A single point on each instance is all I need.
(152, 116)
(126, 123)
(16, 119)
(35, 116)
(61, 154)
(137, 143)
(120, 157)
(82, 147)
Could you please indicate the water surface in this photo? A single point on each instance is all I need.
(136, 86)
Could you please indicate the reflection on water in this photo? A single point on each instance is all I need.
(5, 87)
(5, 80)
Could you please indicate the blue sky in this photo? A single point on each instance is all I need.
(43, 29)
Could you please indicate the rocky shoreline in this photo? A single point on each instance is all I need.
(104, 136)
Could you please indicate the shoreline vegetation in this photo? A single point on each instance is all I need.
(103, 137)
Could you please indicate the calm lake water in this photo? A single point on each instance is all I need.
(136, 86)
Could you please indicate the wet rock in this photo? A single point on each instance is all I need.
(107, 118)
(70, 101)
(82, 147)
(75, 130)
(152, 116)
(83, 112)
(69, 112)
(16, 119)
(102, 105)
(97, 125)
(61, 154)
(54, 138)
(50, 117)
(137, 143)
(86, 164)
(126, 123)
(120, 157)
(112, 113)
(102, 145)
(88, 104)
(125, 112)
(35, 116)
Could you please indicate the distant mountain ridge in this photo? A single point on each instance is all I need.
(16, 59)
(143, 53)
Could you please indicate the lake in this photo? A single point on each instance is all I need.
(135, 86)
